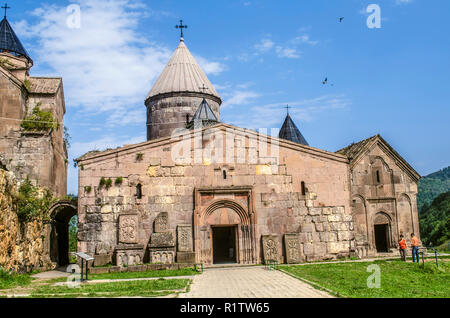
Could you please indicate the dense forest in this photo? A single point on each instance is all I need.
(432, 185)
(433, 201)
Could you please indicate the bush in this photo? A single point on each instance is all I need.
(118, 180)
(39, 120)
(32, 202)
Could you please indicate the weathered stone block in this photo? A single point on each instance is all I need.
(315, 211)
(161, 222)
(326, 211)
(128, 228)
(328, 237)
(308, 248)
(129, 254)
(307, 227)
(162, 256)
(270, 247)
(186, 257)
(292, 248)
(164, 239)
(184, 235)
(102, 259)
(337, 247)
(334, 218)
(345, 235)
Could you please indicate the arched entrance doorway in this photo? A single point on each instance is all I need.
(61, 212)
(224, 227)
(382, 232)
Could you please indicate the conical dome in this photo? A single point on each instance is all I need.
(10, 42)
(182, 74)
(289, 131)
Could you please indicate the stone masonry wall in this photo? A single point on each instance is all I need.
(321, 218)
(23, 247)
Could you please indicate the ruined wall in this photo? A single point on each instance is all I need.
(23, 247)
(382, 189)
(321, 216)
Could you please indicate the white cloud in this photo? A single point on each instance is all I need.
(287, 52)
(107, 65)
(239, 97)
(264, 45)
(213, 68)
(403, 1)
(307, 110)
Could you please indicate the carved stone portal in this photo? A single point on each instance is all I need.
(128, 228)
(270, 248)
(292, 246)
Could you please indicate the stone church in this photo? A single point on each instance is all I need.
(203, 191)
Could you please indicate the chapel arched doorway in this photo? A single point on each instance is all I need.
(382, 232)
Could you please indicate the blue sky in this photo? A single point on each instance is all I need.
(260, 55)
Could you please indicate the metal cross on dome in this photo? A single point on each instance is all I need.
(6, 8)
(203, 88)
(181, 27)
(287, 108)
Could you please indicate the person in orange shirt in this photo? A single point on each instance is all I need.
(415, 247)
(402, 247)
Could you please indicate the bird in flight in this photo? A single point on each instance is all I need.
(325, 81)
(341, 18)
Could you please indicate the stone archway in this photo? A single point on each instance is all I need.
(60, 213)
(225, 218)
(382, 232)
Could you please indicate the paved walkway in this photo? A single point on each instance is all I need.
(249, 282)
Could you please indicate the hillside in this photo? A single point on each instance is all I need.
(431, 186)
(435, 220)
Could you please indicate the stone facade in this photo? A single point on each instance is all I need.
(384, 192)
(40, 156)
(257, 199)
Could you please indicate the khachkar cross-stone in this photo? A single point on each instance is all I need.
(181, 27)
(6, 8)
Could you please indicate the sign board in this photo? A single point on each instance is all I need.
(84, 256)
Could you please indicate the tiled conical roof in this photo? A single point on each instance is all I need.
(204, 114)
(182, 74)
(289, 131)
(9, 40)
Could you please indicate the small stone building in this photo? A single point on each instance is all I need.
(39, 155)
(37, 152)
(203, 191)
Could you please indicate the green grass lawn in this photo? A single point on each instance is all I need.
(148, 288)
(8, 280)
(398, 279)
(156, 273)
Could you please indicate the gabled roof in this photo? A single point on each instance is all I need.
(289, 131)
(10, 42)
(356, 150)
(182, 74)
(44, 85)
(204, 114)
(164, 141)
